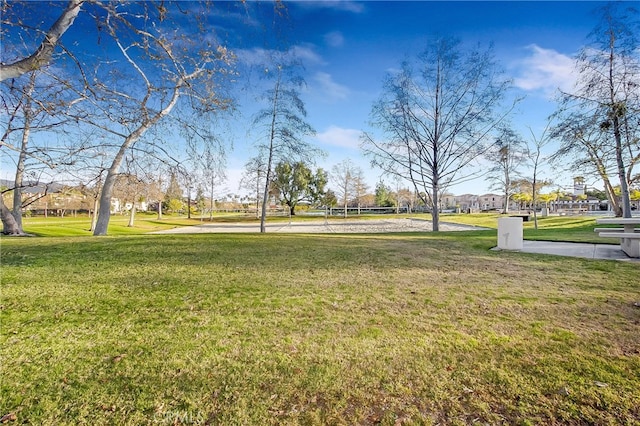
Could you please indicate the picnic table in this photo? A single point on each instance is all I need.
(629, 233)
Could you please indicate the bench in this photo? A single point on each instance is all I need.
(612, 230)
(629, 235)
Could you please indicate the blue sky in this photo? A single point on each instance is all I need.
(348, 46)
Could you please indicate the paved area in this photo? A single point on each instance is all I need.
(586, 250)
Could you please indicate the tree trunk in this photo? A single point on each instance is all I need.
(9, 225)
(132, 216)
(435, 213)
(622, 174)
(104, 209)
(94, 215)
(265, 198)
(272, 137)
(20, 166)
(617, 133)
(188, 203)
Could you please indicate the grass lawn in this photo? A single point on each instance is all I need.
(552, 228)
(314, 329)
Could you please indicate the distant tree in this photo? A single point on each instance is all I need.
(383, 195)
(174, 194)
(201, 202)
(525, 190)
(523, 199)
(129, 189)
(296, 183)
(344, 176)
(435, 121)
(360, 187)
(282, 123)
(536, 161)
(507, 156)
(329, 199)
(205, 165)
(606, 99)
(253, 178)
(367, 200)
(405, 197)
(597, 193)
(547, 198)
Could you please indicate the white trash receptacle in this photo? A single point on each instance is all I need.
(510, 233)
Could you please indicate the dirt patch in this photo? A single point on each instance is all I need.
(324, 227)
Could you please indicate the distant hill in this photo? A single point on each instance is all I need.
(33, 187)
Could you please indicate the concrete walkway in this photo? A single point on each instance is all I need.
(586, 250)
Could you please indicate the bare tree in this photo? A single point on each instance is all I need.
(127, 190)
(608, 89)
(344, 175)
(536, 160)
(282, 123)
(360, 186)
(253, 178)
(145, 70)
(34, 105)
(436, 121)
(507, 155)
(582, 141)
(164, 67)
(206, 162)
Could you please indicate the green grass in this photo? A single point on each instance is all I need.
(53, 226)
(323, 329)
(552, 228)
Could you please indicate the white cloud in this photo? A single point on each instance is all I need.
(334, 39)
(341, 5)
(259, 56)
(546, 70)
(330, 88)
(306, 54)
(338, 136)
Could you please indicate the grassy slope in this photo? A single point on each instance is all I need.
(323, 329)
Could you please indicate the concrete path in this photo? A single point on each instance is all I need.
(586, 250)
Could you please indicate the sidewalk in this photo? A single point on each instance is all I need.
(586, 250)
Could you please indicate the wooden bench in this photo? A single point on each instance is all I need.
(629, 235)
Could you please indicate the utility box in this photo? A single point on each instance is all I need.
(510, 233)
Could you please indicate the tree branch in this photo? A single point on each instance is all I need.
(42, 56)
